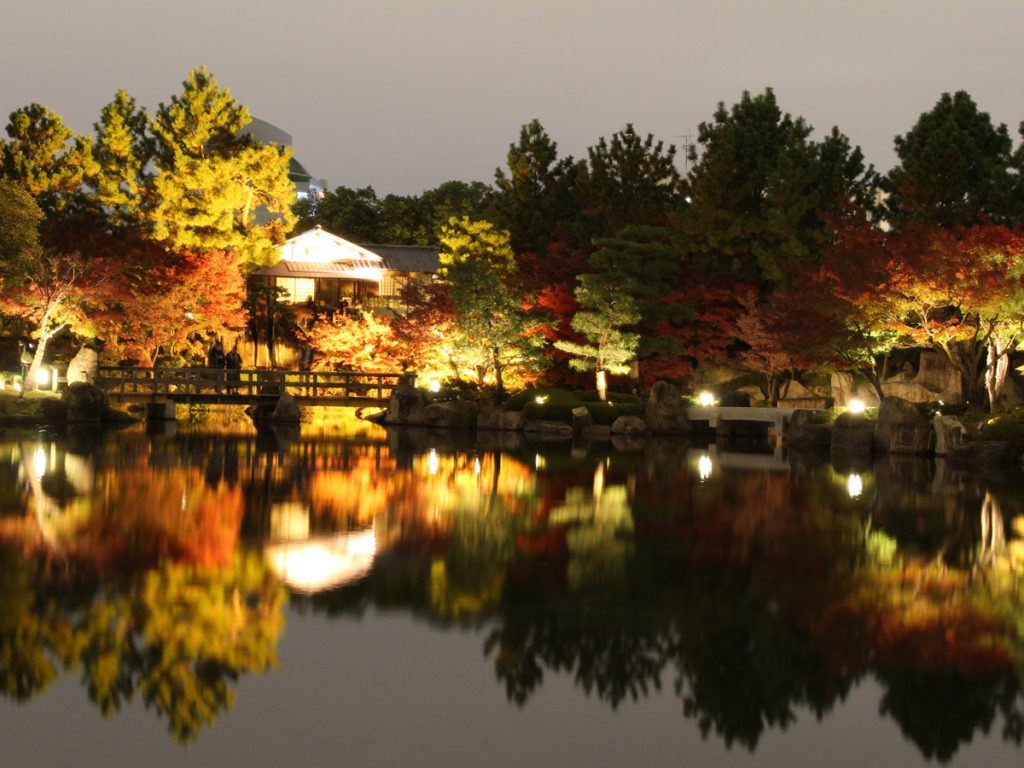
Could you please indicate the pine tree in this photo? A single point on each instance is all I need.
(216, 188)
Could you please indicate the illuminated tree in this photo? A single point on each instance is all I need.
(491, 327)
(214, 187)
(121, 183)
(45, 157)
(365, 342)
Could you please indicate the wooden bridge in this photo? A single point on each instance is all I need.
(242, 387)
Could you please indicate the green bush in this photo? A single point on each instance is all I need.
(1008, 427)
(607, 413)
(591, 396)
(557, 405)
(518, 400)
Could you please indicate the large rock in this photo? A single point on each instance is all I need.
(84, 367)
(629, 425)
(542, 428)
(984, 453)
(949, 434)
(452, 414)
(406, 406)
(286, 411)
(495, 418)
(581, 418)
(809, 435)
(852, 435)
(902, 428)
(85, 402)
(665, 412)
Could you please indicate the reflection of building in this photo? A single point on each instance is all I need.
(312, 563)
(328, 269)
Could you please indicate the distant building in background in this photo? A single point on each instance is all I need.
(319, 268)
(305, 184)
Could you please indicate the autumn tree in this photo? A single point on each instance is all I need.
(37, 284)
(492, 331)
(363, 342)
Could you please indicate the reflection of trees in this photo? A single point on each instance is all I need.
(755, 595)
(177, 635)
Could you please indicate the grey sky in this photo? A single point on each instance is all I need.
(405, 94)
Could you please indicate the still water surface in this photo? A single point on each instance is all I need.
(405, 598)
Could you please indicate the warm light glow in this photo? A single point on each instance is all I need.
(17, 386)
(325, 562)
(42, 376)
(538, 461)
(704, 467)
(854, 485)
(39, 462)
(856, 406)
(432, 462)
(540, 399)
(705, 399)
(476, 467)
(435, 385)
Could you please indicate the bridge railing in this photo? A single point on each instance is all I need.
(251, 383)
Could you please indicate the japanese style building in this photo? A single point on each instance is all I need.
(334, 272)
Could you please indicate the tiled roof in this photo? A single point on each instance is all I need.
(408, 258)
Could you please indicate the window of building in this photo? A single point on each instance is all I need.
(298, 290)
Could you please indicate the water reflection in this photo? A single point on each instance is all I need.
(751, 586)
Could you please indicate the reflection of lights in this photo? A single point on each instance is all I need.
(432, 462)
(39, 461)
(435, 385)
(854, 485)
(704, 466)
(598, 481)
(325, 562)
(540, 399)
(538, 462)
(476, 467)
(705, 399)
(184, 500)
(856, 406)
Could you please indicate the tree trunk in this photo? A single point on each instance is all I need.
(997, 366)
(602, 386)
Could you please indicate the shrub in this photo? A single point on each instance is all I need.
(518, 400)
(607, 413)
(1009, 428)
(557, 405)
(591, 396)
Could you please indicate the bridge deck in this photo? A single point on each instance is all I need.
(716, 414)
(221, 386)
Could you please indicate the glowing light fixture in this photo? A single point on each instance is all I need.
(540, 399)
(704, 467)
(705, 399)
(854, 485)
(42, 376)
(435, 385)
(432, 462)
(855, 406)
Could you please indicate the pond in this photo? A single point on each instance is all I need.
(387, 598)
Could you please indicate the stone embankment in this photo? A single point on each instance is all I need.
(901, 427)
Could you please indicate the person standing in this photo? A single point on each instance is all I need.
(233, 363)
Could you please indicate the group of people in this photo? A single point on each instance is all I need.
(232, 361)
